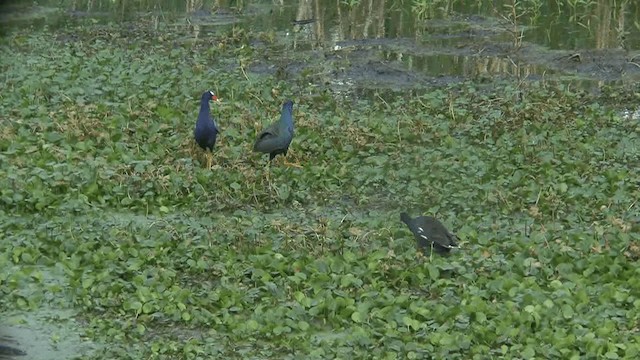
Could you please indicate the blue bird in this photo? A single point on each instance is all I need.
(206, 130)
(275, 139)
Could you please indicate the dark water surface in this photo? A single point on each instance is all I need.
(397, 44)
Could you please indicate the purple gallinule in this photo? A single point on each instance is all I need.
(206, 130)
(275, 139)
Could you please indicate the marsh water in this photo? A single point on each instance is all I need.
(356, 47)
(373, 44)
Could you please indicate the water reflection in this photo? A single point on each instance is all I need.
(474, 38)
(594, 24)
(463, 39)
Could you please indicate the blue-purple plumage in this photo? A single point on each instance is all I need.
(206, 130)
(276, 139)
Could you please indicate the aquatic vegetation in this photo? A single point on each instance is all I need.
(105, 208)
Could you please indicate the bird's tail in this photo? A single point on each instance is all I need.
(404, 217)
(454, 243)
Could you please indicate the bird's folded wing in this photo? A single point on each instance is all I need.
(268, 133)
(444, 241)
(267, 141)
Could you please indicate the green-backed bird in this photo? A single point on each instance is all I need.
(275, 139)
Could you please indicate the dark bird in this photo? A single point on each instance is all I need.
(6, 352)
(430, 234)
(277, 137)
(206, 130)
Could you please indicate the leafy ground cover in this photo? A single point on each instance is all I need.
(107, 210)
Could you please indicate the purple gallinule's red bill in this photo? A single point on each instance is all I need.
(206, 130)
(275, 139)
(430, 234)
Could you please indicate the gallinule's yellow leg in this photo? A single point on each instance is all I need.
(287, 163)
(294, 164)
(209, 159)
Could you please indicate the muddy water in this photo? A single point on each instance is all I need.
(55, 330)
(44, 334)
(392, 46)
(50, 331)
(398, 45)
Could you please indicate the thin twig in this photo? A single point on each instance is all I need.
(244, 73)
(258, 98)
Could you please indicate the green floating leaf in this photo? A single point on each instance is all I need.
(567, 312)
(186, 316)
(529, 353)
(284, 193)
(356, 317)
(434, 272)
(133, 305)
(304, 326)
(88, 282)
